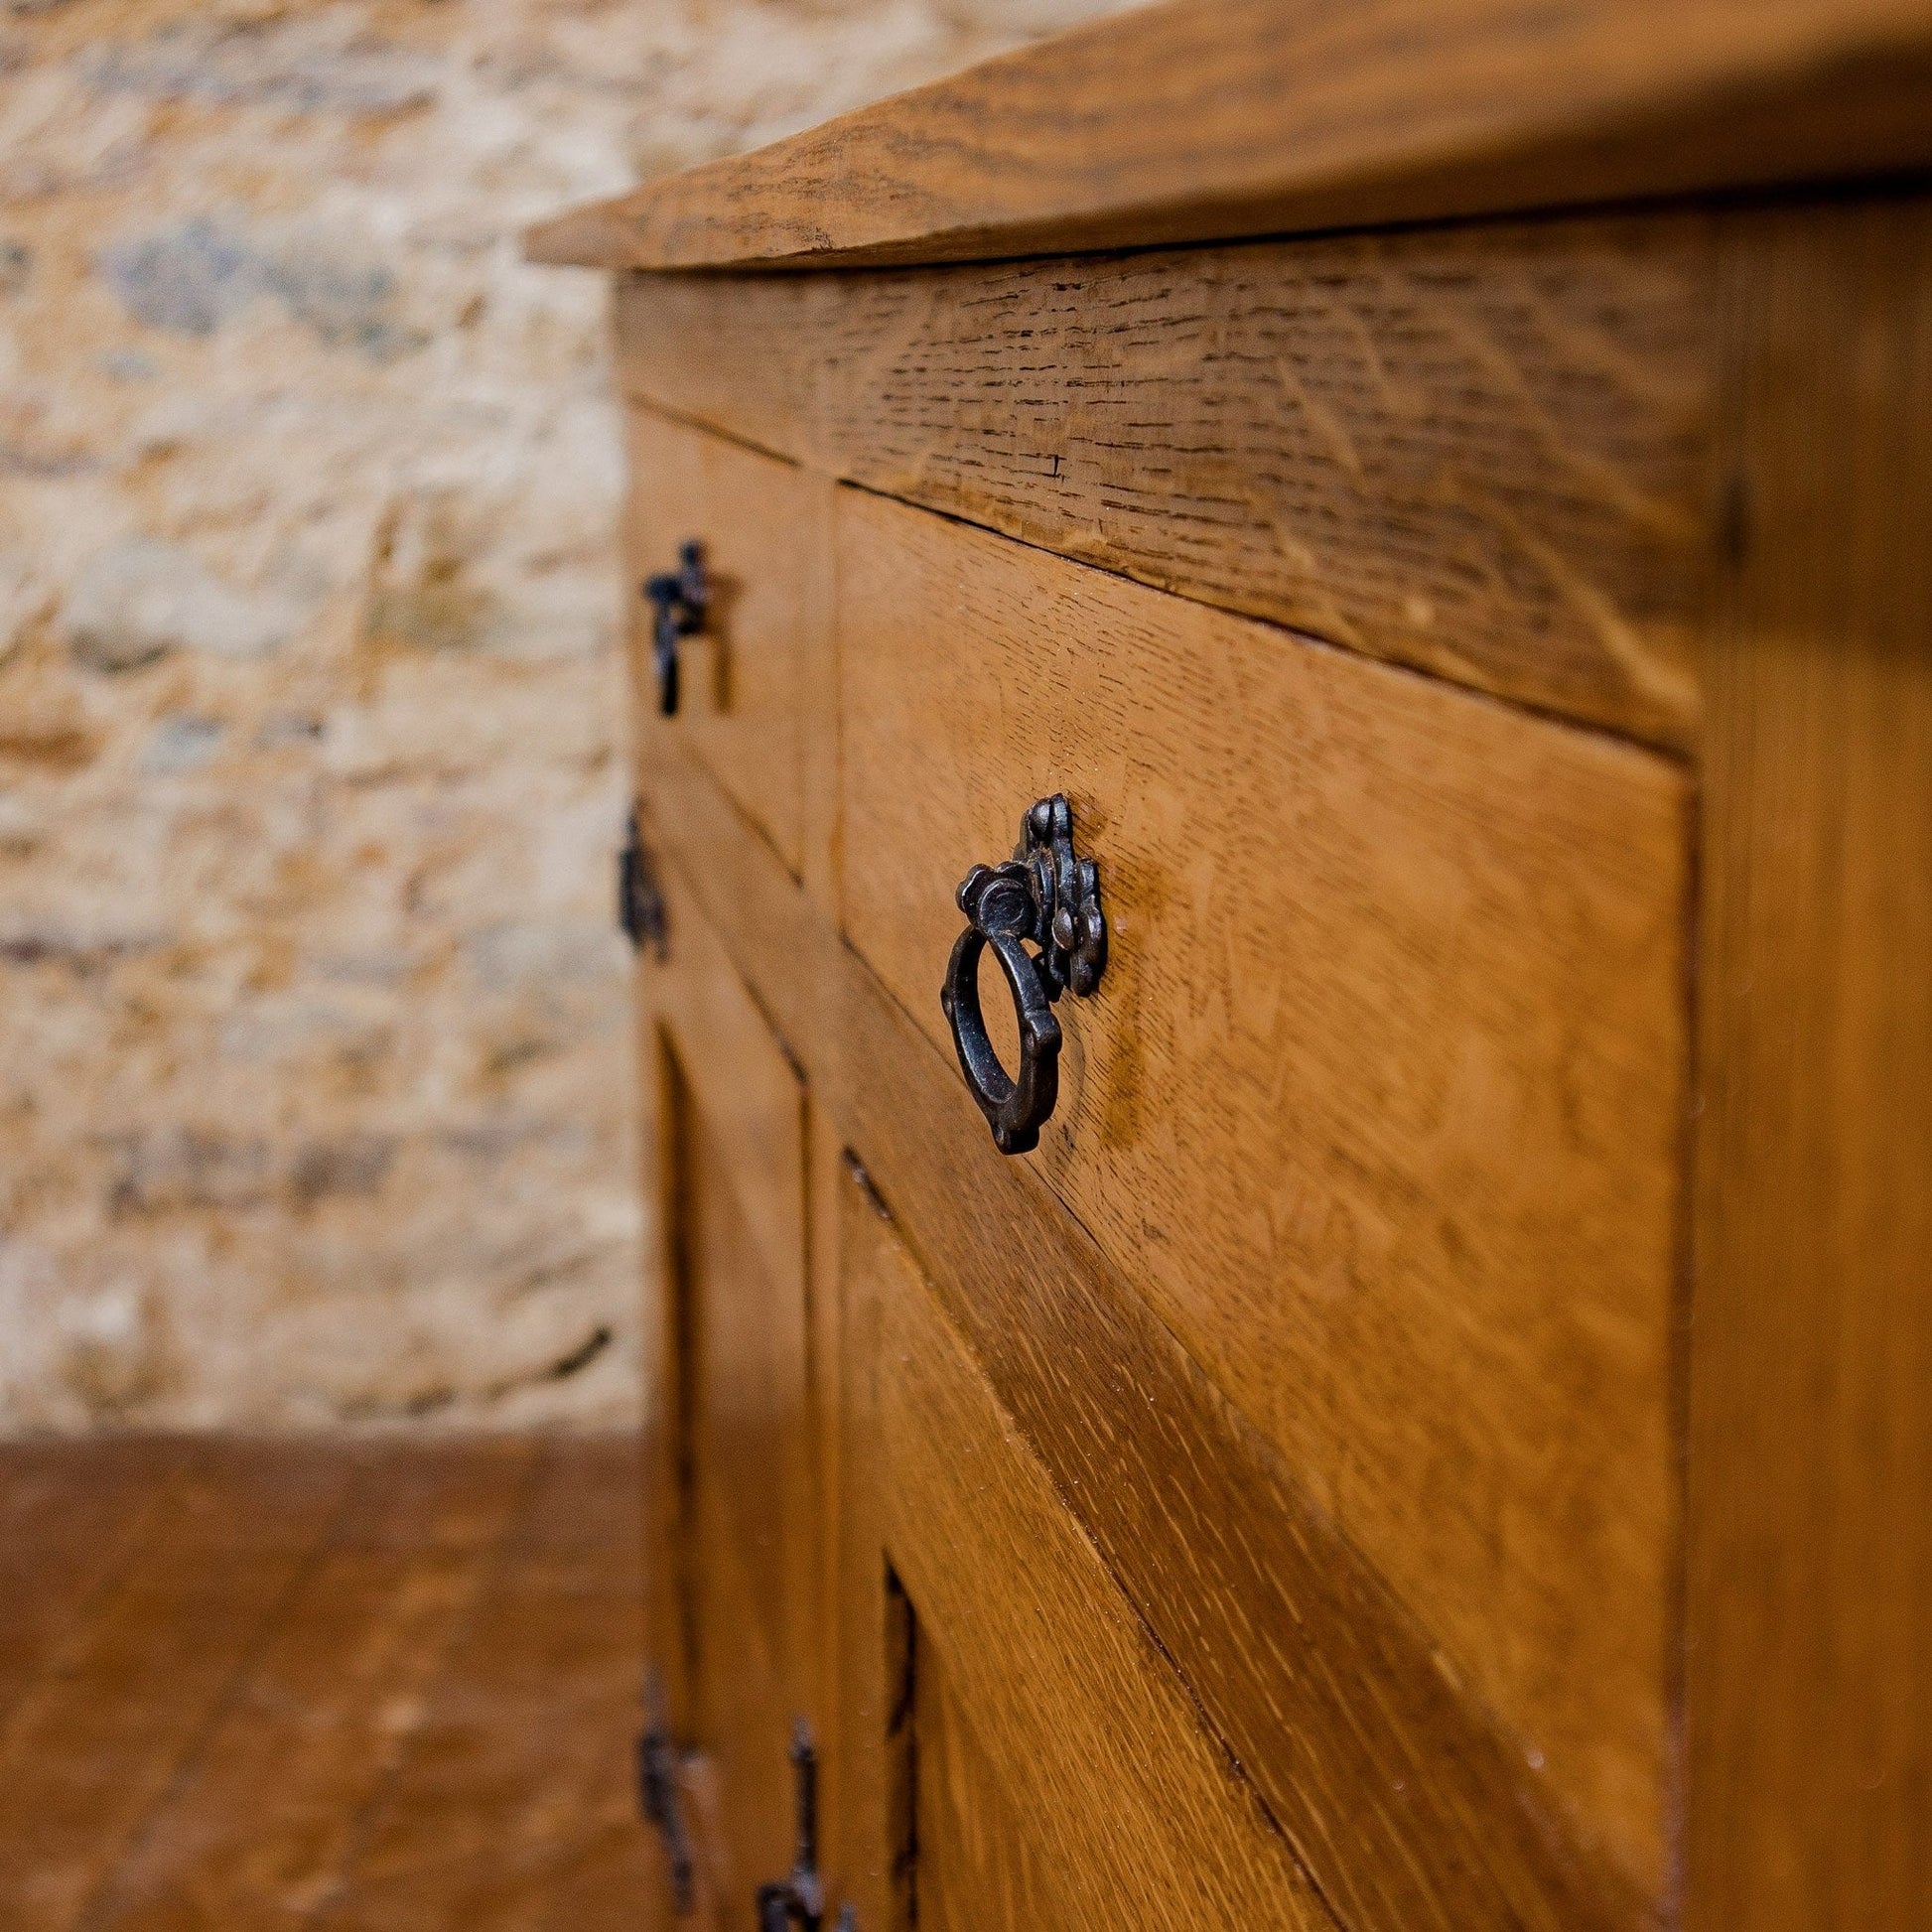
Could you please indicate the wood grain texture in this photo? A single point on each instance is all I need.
(740, 1532)
(578, 1744)
(316, 1659)
(103, 1734)
(1215, 118)
(973, 1857)
(269, 1816)
(65, 1542)
(665, 1503)
(750, 1393)
(1809, 1704)
(1408, 1806)
(744, 697)
(1133, 1813)
(511, 1809)
(745, 1091)
(1481, 451)
(870, 1829)
(1380, 1102)
(848, 1688)
(758, 706)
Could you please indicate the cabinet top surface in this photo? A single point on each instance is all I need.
(1218, 119)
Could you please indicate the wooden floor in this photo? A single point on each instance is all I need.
(365, 1688)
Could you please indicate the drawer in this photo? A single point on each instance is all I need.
(1054, 1773)
(1479, 451)
(746, 676)
(1380, 1099)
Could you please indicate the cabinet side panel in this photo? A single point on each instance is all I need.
(1810, 1504)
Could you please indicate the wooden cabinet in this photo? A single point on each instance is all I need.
(1430, 1427)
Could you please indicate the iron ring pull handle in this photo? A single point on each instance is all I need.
(679, 600)
(1046, 897)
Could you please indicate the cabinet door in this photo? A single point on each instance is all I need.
(1038, 1766)
(731, 1488)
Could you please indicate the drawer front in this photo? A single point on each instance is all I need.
(1380, 1098)
(744, 677)
(1053, 1772)
(1482, 451)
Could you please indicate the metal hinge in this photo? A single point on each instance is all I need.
(640, 899)
(658, 1762)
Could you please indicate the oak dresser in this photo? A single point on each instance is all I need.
(1283, 872)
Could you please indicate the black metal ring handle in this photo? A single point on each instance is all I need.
(679, 600)
(1015, 1109)
(1048, 897)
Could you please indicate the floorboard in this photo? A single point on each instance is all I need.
(504, 1817)
(65, 1536)
(352, 1686)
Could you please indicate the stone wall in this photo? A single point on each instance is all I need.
(315, 1093)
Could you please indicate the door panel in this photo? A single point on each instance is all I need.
(745, 1394)
(976, 1869)
(732, 1635)
(1059, 1773)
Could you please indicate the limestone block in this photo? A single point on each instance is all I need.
(314, 1028)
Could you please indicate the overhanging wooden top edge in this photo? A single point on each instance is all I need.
(1216, 120)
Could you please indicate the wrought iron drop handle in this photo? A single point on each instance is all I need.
(657, 1759)
(1046, 897)
(799, 1898)
(641, 898)
(679, 600)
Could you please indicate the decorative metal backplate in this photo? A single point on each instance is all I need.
(1047, 897)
